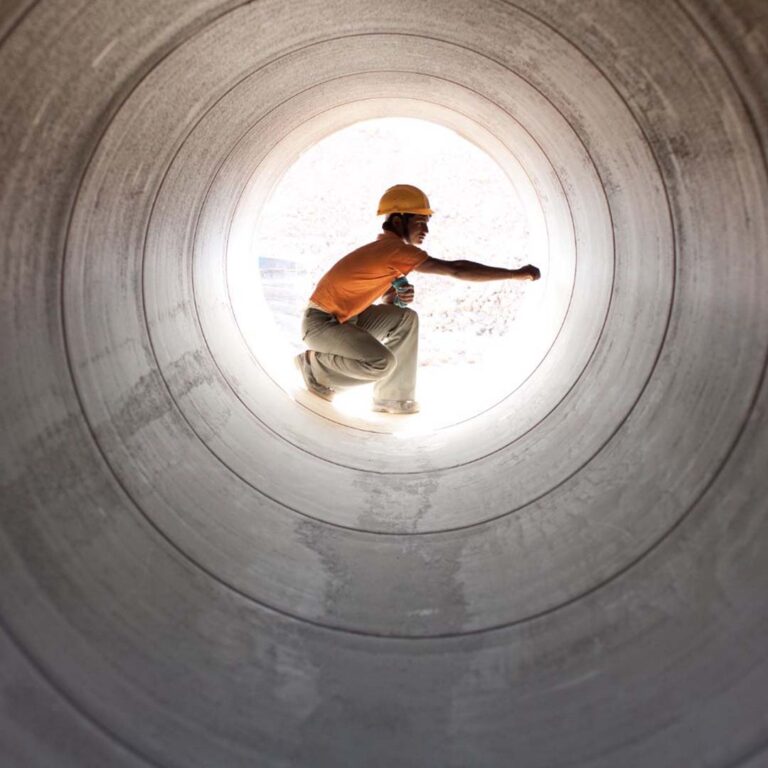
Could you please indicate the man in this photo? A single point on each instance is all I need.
(353, 340)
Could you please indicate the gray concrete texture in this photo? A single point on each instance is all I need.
(197, 571)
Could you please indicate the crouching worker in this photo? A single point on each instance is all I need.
(353, 340)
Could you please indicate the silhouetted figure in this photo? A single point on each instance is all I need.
(353, 340)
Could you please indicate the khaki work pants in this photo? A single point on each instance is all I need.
(379, 345)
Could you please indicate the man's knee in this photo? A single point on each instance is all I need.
(381, 365)
(407, 317)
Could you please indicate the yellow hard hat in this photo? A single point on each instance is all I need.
(403, 198)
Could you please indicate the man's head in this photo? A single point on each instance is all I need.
(412, 227)
(407, 211)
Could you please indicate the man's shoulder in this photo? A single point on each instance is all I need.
(388, 246)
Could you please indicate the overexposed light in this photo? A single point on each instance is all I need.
(478, 341)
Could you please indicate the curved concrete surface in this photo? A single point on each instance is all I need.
(201, 568)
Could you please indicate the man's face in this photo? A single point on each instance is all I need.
(417, 229)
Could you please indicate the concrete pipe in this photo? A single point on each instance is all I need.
(200, 570)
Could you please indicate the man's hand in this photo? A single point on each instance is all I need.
(529, 272)
(406, 295)
(389, 297)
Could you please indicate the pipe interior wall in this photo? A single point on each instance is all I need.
(199, 569)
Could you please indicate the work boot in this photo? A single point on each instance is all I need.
(396, 406)
(305, 369)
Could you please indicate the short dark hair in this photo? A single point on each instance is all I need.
(388, 226)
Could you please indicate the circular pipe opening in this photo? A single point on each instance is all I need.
(477, 341)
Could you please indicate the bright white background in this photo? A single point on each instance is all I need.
(473, 335)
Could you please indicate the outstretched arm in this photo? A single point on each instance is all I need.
(471, 270)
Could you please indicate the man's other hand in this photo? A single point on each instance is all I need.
(529, 272)
(406, 295)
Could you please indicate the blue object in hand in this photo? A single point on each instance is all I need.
(398, 285)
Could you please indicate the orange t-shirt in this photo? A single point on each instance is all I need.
(354, 282)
